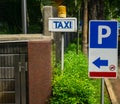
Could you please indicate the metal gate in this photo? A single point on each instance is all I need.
(13, 73)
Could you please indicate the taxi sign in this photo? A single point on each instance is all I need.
(62, 24)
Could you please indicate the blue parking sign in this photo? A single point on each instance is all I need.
(103, 49)
(103, 34)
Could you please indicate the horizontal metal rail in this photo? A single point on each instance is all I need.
(7, 92)
(11, 54)
(7, 79)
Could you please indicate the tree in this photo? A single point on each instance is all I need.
(112, 9)
(10, 17)
(35, 17)
(93, 9)
(96, 8)
(96, 11)
(85, 28)
(100, 11)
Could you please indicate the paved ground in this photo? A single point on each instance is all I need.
(115, 84)
(116, 88)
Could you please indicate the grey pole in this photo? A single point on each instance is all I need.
(24, 16)
(62, 51)
(102, 91)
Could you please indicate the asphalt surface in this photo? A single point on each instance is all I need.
(114, 87)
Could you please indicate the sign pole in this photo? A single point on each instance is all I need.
(62, 14)
(102, 91)
(24, 16)
(62, 51)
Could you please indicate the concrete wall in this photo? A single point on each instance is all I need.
(39, 71)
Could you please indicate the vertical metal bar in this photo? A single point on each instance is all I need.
(17, 79)
(0, 68)
(62, 51)
(24, 16)
(3, 70)
(1, 78)
(102, 91)
(23, 80)
(1, 84)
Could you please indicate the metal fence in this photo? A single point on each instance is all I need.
(13, 73)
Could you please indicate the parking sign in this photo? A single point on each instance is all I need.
(103, 48)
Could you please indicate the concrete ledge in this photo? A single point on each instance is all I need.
(111, 92)
(23, 37)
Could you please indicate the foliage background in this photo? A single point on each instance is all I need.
(72, 85)
(11, 18)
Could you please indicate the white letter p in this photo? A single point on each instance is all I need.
(100, 35)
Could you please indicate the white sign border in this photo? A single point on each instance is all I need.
(74, 29)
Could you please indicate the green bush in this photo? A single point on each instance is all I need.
(72, 86)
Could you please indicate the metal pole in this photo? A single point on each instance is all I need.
(102, 91)
(78, 35)
(24, 16)
(62, 51)
(62, 14)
